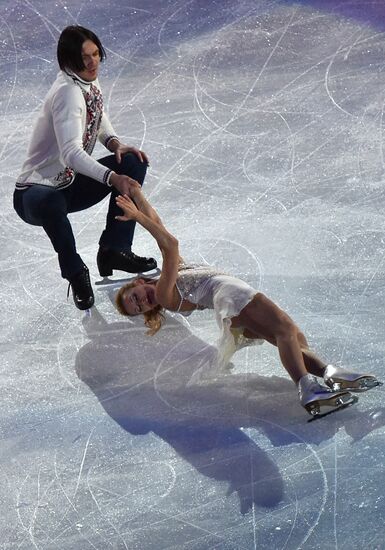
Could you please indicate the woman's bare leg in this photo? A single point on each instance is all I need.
(265, 319)
(314, 365)
(336, 377)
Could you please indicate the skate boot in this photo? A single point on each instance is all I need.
(319, 400)
(81, 289)
(109, 259)
(340, 379)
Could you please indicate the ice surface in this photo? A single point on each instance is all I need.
(264, 124)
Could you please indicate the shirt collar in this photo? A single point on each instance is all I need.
(74, 76)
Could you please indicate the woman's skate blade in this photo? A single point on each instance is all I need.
(341, 380)
(324, 406)
(361, 384)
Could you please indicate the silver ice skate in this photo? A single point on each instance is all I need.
(339, 379)
(319, 400)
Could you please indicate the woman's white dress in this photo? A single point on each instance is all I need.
(207, 287)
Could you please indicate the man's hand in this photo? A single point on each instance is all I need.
(119, 149)
(130, 211)
(124, 184)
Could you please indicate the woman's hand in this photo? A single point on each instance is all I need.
(129, 208)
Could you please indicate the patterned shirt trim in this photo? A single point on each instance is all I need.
(65, 177)
(94, 105)
(26, 185)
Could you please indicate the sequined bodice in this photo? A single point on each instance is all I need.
(210, 288)
(196, 284)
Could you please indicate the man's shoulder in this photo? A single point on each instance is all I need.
(65, 81)
(64, 87)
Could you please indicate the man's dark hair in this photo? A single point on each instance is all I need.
(69, 48)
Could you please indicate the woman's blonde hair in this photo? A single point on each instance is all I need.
(153, 319)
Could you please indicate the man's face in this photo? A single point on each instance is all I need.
(91, 61)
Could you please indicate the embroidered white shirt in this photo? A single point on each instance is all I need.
(57, 148)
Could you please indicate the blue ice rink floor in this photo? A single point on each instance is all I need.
(264, 124)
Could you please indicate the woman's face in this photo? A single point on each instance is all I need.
(139, 298)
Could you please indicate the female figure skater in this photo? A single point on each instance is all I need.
(241, 312)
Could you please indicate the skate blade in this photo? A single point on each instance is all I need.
(336, 403)
(362, 384)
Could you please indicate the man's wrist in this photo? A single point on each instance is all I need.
(107, 177)
(111, 178)
(112, 143)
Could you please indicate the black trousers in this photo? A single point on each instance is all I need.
(49, 208)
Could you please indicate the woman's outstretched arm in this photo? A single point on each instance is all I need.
(136, 194)
(167, 243)
(143, 205)
(147, 219)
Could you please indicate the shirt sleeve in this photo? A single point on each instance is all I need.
(106, 131)
(68, 114)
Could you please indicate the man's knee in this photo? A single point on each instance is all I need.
(131, 166)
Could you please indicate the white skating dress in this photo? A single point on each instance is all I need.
(210, 288)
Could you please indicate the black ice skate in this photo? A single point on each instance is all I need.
(81, 289)
(340, 379)
(108, 260)
(319, 400)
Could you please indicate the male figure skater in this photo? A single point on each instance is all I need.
(59, 176)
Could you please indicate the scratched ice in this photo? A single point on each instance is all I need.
(264, 122)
